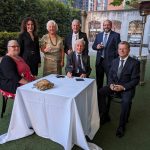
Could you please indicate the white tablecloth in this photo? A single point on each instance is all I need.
(64, 114)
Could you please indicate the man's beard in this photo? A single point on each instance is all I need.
(107, 30)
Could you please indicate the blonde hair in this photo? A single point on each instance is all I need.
(52, 22)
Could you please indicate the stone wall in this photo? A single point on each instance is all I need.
(121, 19)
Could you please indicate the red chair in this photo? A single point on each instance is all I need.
(5, 96)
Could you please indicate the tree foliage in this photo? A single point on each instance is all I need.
(116, 2)
(127, 2)
(4, 38)
(12, 12)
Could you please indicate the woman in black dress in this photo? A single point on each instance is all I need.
(9, 76)
(29, 44)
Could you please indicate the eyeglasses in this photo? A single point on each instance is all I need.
(14, 46)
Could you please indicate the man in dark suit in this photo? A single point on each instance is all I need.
(123, 77)
(72, 37)
(106, 45)
(78, 64)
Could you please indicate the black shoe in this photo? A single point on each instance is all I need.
(105, 119)
(120, 132)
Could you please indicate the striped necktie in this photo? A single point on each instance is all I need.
(79, 65)
(104, 43)
(120, 69)
(105, 39)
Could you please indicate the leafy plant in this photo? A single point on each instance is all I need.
(12, 12)
(4, 38)
(132, 3)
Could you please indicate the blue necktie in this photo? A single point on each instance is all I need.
(105, 39)
(104, 43)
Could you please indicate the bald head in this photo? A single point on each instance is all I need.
(108, 21)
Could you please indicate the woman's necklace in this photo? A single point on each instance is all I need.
(52, 41)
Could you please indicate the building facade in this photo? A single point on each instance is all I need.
(103, 5)
(80, 4)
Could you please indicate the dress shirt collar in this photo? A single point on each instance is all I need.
(75, 34)
(125, 59)
(78, 54)
(108, 33)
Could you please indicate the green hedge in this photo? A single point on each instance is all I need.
(4, 38)
(14, 11)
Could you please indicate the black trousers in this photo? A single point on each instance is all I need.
(33, 67)
(100, 71)
(126, 102)
(32, 62)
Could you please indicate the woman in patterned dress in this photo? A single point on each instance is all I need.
(53, 49)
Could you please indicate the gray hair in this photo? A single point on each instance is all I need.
(80, 41)
(52, 22)
(12, 41)
(77, 21)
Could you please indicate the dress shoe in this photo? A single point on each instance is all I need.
(105, 119)
(120, 132)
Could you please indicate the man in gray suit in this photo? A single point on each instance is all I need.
(78, 64)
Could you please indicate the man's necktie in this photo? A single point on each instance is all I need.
(105, 39)
(79, 63)
(120, 69)
(76, 37)
(104, 43)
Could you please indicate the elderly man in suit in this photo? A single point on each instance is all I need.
(78, 64)
(106, 45)
(75, 35)
(123, 77)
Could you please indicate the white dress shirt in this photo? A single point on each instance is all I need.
(107, 35)
(74, 38)
(125, 59)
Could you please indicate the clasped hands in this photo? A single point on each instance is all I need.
(116, 87)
